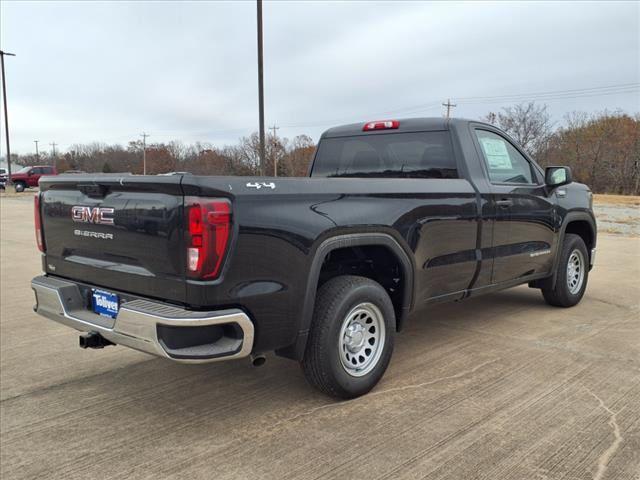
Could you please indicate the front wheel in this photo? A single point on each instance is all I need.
(20, 187)
(351, 337)
(572, 274)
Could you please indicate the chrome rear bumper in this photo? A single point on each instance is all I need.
(152, 327)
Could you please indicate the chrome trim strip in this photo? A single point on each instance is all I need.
(134, 327)
(592, 257)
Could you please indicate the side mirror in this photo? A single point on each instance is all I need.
(557, 176)
(30, 173)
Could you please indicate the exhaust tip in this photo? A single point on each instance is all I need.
(258, 360)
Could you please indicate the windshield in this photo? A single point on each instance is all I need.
(24, 170)
(390, 155)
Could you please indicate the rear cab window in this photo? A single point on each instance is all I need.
(389, 155)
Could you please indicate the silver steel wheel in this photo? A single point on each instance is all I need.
(361, 339)
(575, 271)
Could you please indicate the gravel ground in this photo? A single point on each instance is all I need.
(618, 219)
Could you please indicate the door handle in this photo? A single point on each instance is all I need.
(504, 203)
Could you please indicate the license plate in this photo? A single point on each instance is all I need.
(105, 303)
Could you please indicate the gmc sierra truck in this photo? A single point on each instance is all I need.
(395, 216)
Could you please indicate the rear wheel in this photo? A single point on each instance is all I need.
(351, 338)
(572, 274)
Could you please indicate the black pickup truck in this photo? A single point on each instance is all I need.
(395, 216)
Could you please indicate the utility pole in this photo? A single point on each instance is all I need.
(37, 153)
(273, 147)
(6, 115)
(53, 146)
(144, 136)
(260, 88)
(449, 106)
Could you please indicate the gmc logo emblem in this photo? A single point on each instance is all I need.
(100, 215)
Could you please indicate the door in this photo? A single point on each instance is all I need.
(419, 171)
(524, 227)
(34, 176)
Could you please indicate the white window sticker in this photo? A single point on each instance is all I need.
(496, 152)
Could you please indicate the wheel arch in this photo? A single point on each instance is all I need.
(582, 224)
(387, 241)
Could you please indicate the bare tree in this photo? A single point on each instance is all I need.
(529, 124)
(299, 155)
(602, 149)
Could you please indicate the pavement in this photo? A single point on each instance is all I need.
(497, 387)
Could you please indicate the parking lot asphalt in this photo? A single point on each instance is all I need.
(496, 387)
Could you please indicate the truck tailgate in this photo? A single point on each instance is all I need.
(118, 232)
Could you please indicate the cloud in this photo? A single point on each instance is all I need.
(90, 71)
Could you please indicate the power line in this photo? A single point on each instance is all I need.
(592, 91)
(548, 95)
(549, 92)
(547, 98)
(144, 136)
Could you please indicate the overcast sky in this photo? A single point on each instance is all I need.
(91, 71)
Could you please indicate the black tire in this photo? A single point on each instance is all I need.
(561, 295)
(323, 359)
(20, 187)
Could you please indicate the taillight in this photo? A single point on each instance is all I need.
(381, 125)
(38, 222)
(208, 228)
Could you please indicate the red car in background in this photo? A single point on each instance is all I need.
(28, 176)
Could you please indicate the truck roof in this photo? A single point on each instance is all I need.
(406, 125)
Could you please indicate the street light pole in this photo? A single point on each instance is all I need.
(261, 89)
(6, 115)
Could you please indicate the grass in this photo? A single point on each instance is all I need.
(627, 221)
(628, 200)
(615, 231)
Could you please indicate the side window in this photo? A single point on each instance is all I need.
(36, 171)
(47, 170)
(504, 163)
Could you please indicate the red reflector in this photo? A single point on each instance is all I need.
(38, 222)
(207, 236)
(381, 125)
